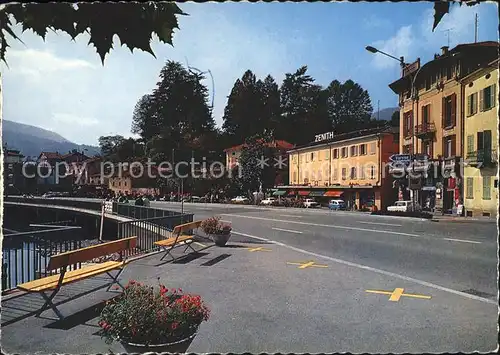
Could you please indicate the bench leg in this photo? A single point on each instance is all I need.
(188, 245)
(49, 304)
(115, 280)
(167, 253)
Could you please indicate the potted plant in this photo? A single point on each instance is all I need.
(146, 319)
(218, 231)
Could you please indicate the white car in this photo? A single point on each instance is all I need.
(310, 203)
(404, 206)
(268, 201)
(240, 199)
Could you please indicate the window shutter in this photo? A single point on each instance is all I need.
(443, 112)
(470, 144)
(469, 105)
(493, 94)
(453, 146)
(454, 109)
(481, 100)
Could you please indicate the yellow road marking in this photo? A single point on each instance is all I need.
(397, 294)
(258, 249)
(307, 264)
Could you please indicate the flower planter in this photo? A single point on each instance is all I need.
(172, 346)
(220, 239)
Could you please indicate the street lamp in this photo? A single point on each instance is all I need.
(413, 96)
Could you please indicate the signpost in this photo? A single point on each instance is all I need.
(400, 158)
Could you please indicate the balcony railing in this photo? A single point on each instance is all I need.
(482, 157)
(425, 129)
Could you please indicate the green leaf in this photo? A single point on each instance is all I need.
(440, 9)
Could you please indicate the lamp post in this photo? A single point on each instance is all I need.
(413, 96)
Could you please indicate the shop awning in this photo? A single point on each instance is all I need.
(333, 193)
(279, 193)
(304, 193)
(292, 193)
(317, 193)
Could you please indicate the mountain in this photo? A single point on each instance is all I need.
(386, 113)
(32, 140)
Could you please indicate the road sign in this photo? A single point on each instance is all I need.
(400, 158)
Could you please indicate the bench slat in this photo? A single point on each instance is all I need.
(170, 241)
(186, 227)
(50, 282)
(88, 253)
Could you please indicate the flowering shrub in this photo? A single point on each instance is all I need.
(149, 316)
(213, 225)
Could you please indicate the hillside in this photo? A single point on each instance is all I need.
(32, 140)
(386, 113)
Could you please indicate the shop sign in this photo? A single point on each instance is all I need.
(323, 136)
(430, 188)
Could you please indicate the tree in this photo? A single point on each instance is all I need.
(303, 108)
(257, 163)
(120, 149)
(349, 106)
(175, 117)
(271, 109)
(133, 23)
(395, 119)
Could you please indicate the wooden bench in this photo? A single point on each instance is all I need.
(178, 237)
(62, 261)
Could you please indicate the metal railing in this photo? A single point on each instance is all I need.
(482, 157)
(150, 230)
(426, 128)
(141, 212)
(25, 255)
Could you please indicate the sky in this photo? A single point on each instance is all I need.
(62, 86)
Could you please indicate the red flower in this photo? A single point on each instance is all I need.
(175, 325)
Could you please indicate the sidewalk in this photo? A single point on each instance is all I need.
(262, 301)
(459, 219)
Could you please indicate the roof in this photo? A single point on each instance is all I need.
(279, 143)
(481, 70)
(350, 135)
(399, 85)
(14, 153)
(51, 155)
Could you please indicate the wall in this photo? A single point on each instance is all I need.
(481, 121)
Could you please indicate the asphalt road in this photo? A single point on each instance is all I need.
(458, 256)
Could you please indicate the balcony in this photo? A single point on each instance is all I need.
(426, 129)
(482, 158)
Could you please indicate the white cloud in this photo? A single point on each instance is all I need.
(375, 22)
(419, 41)
(398, 45)
(35, 65)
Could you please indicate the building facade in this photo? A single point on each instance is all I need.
(13, 178)
(481, 137)
(432, 124)
(350, 166)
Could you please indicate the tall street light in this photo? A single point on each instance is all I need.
(413, 96)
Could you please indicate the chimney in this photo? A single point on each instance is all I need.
(436, 56)
(444, 50)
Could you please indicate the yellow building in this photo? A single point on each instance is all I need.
(481, 141)
(350, 166)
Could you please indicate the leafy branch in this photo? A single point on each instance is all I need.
(441, 8)
(134, 23)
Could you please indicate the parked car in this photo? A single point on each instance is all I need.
(404, 206)
(240, 199)
(49, 195)
(336, 205)
(310, 203)
(268, 201)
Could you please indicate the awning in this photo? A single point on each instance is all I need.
(304, 193)
(317, 193)
(333, 193)
(279, 193)
(292, 193)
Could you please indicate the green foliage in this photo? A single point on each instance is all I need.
(395, 119)
(144, 315)
(441, 8)
(120, 149)
(133, 23)
(175, 116)
(253, 174)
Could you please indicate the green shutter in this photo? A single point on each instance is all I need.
(470, 144)
(469, 105)
(493, 95)
(481, 100)
(470, 188)
(486, 187)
